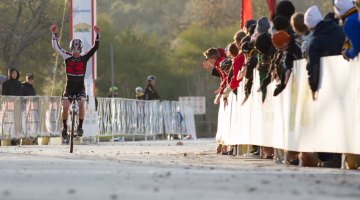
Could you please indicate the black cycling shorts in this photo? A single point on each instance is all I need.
(78, 94)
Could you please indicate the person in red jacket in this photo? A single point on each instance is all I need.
(237, 66)
(213, 58)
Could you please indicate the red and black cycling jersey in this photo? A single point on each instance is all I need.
(75, 67)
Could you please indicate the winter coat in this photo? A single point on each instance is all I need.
(150, 93)
(328, 40)
(305, 44)
(250, 65)
(12, 87)
(28, 89)
(352, 32)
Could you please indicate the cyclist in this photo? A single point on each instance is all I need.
(75, 66)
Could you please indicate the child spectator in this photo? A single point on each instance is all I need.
(139, 93)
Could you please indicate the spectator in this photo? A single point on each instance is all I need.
(348, 13)
(305, 35)
(139, 93)
(27, 86)
(262, 26)
(250, 64)
(3, 78)
(285, 8)
(238, 62)
(150, 92)
(287, 44)
(281, 23)
(248, 24)
(113, 92)
(265, 48)
(213, 57)
(12, 87)
(324, 31)
(357, 5)
(238, 37)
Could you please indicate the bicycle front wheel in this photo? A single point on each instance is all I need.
(72, 132)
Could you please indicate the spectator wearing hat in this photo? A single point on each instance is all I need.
(139, 93)
(266, 50)
(346, 10)
(285, 8)
(250, 64)
(248, 25)
(262, 26)
(324, 31)
(12, 86)
(281, 23)
(292, 49)
(113, 92)
(150, 92)
(28, 85)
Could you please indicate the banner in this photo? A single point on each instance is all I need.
(272, 6)
(246, 11)
(82, 21)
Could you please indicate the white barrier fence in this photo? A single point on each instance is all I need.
(136, 117)
(293, 121)
(24, 117)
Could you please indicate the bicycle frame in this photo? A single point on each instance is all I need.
(74, 113)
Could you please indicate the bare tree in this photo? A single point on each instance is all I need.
(23, 24)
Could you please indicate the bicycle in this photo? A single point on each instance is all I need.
(74, 114)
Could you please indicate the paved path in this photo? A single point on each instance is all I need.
(161, 170)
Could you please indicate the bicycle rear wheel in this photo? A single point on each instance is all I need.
(72, 132)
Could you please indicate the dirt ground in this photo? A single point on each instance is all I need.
(161, 170)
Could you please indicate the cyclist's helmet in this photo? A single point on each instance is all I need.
(76, 45)
(151, 78)
(139, 89)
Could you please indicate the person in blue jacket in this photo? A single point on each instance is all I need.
(347, 11)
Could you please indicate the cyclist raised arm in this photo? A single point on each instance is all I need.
(75, 67)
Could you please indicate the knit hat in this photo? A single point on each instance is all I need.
(263, 43)
(281, 23)
(312, 17)
(342, 6)
(281, 39)
(285, 8)
(249, 22)
(263, 25)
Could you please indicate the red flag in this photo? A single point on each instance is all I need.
(245, 12)
(272, 6)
